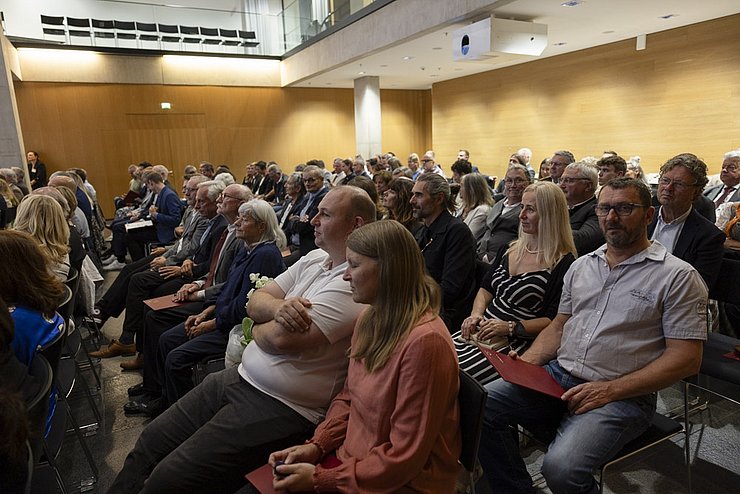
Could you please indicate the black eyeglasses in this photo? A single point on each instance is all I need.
(665, 182)
(622, 209)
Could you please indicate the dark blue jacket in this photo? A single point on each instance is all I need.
(265, 259)
(169, 212)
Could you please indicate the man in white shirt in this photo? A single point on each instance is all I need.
(296, 363)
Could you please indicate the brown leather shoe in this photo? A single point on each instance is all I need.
(133, 364)
(115, 349)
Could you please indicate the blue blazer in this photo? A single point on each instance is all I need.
(169, 212)
(264, 259)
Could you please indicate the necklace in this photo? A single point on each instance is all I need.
(532, 251)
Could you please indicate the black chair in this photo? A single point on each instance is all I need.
(208, 365)
(661, 429)
(38, 405)
(723, 373)
(170, 33)
(125, 30)
(210, 36)
(472, 399)
(248, 39)
(79, 28)
(147, 31)
(230, 37)
(103, 29)
(191, 35)
(54, 26)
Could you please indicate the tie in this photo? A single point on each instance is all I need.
(721, 199)
(214, 258)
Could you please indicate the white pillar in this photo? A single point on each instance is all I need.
(11, 140)
(367, 116)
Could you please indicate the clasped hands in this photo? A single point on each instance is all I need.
(169, 272)
(200, 323)
(295, 474)
(187, 293)
(485, 329)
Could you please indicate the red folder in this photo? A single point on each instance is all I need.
(517, 371)
(261, 478)
(163, 302)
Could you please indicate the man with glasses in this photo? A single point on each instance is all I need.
(558, 162)
(578, 181)
(298, 227)
(678, 226)
(431, 166)
(115, 299)
(729, 191)
(631, 321)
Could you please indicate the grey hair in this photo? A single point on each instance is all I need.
(215, 187)
(244, 193)
(436, 185)
(587, 171)
(226, 178)
(262, 212)
(565, 154)
(732, 154)
(274, 168)
(162, 170)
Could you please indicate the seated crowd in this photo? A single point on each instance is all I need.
(351, 299)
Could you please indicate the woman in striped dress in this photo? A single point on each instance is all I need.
(520, 294)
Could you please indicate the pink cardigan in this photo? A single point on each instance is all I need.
(397, 429)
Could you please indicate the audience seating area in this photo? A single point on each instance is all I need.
(142, 35)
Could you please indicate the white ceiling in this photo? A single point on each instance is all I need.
(592, 23)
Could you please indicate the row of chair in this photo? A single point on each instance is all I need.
(100, 32)
(65, 371)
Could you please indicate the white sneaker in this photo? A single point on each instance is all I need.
(108, 260)
(114, 266)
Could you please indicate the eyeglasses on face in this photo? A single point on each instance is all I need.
(622, 208)
(665, 182)
(310, 180)
(226, 196)
(517, 181)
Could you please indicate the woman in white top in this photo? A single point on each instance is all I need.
(476, 203)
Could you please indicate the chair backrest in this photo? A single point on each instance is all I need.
(38, 405)
(103, 24)
(147, 27)
(472, 399)
(52, 20)
(78, 22)
(727, 287)
(52, 351)
(66, 309)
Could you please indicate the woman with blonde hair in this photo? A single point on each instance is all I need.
(8, 203)
(476, 203)
(43, 218)
(520, 294)
(394, 427)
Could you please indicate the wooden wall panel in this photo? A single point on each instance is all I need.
(681, 94)
(105, 127)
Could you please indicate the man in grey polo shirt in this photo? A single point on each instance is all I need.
(631, 321)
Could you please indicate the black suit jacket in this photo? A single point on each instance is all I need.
(587, 234)
(304, 229)
(449, 256)
(700, 244)
(500, 229)
(202, 255)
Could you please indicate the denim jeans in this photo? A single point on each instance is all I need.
(581, 444)
(208, 440)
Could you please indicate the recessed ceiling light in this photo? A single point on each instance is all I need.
(433, 75)
(610, 31)
(407, 58)
(668, 16)
(384, 65)
(458, 69)
(572, 3)
(328, 83)
(437, 48)
(362, 72)
(561, 43)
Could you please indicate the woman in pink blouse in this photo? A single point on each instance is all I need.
(394, 427)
